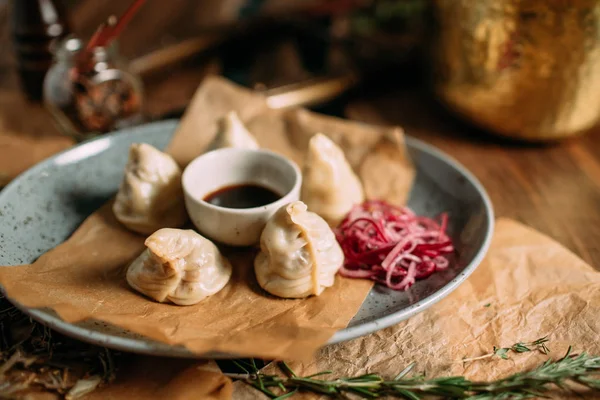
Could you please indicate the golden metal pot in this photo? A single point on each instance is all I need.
(527, 69)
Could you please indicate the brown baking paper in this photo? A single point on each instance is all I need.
(142, 378)
(527, 287)
(84, 277)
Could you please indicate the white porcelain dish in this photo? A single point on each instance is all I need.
(236, 166)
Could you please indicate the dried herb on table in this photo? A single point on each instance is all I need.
(35, 359)
(580, 369)
(520, 347)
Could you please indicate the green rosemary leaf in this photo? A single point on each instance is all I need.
(534, 393)
(364, 392)
(405, 371)
(540, 341)
(287, 395)
(501, 352)
(544, 349)
(407, 394)
(320, 374)
(286, 369)
(263, 389)
(453, 386)
(240, 366)
(365, 378)
(520, 348)
(541, 345)
(315, 385)
(502, 396)
(487, 305)
(250, 366)
(253, 365)
(568, 352)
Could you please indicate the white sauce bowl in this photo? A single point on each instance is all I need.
(236, 166)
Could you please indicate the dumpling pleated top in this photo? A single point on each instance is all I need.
(150, 196)
(329, 185)
(299, 254)
(179, 266)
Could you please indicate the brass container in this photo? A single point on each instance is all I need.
(527, 69)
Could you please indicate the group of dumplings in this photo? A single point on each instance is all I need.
(299, 254)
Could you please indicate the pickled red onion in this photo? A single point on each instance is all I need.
(392, 245)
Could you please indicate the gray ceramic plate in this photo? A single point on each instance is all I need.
(43, 206)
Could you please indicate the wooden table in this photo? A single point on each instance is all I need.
(554, 188)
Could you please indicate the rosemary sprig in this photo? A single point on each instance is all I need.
(520, 347)
(582, 369)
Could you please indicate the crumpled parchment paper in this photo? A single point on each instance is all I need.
(528, 286)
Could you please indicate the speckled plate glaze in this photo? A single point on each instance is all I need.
(43, 206)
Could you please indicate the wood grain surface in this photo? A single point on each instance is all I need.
(553, 188)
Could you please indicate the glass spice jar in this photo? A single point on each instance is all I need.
(91, 93)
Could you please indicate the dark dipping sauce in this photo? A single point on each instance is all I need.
(242, 196)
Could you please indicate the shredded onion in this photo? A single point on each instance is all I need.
(392, 245)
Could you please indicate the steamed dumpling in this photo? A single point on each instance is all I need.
(299, 254)
(329, 185)
(179, 266)
(233, 133)
(150, 196)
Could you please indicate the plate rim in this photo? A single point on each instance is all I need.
(349, 333)
(151, 347)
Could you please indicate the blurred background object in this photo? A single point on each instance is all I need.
(91, 94)
(526, 69)
(36, 24)
(298, 53)
(523, 69)
(89, 89)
